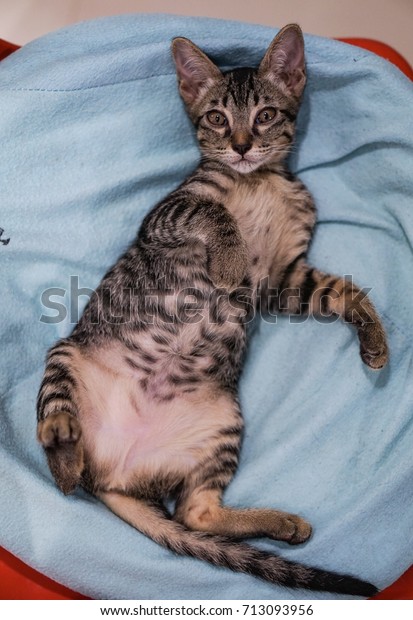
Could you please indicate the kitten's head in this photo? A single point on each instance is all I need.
(245, 117)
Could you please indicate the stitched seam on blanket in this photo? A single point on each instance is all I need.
(84, 88)
(72, 90)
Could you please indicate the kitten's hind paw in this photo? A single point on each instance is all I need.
(373, 345)
(58, 429)
(291, 529)
(59, 434)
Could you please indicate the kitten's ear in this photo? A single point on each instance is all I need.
(196, 72)
(284, 60)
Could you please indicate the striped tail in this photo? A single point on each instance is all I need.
(58, 430)
(239, 557)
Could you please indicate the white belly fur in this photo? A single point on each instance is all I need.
(127, 432)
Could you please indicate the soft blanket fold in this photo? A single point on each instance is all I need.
(93, 133)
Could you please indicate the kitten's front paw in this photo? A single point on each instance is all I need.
(58, 429)
(373, 345)
(228, 267)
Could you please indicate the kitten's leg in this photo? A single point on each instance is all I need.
(227, 252)
(199, 505)
(307, 290)
(184, 218)
(58, 429)
(201, 510)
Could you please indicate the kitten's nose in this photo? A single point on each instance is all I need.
(242, 147)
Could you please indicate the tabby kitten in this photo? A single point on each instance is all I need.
(140, 403)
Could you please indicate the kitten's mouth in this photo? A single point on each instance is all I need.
(244, 164)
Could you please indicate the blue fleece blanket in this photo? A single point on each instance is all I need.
(93, 134)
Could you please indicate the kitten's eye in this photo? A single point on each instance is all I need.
(265, 116)
(217, 118)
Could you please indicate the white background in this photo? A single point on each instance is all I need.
(390, 21)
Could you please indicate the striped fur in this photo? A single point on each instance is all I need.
(140, 403)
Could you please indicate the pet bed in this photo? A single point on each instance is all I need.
(93, 134)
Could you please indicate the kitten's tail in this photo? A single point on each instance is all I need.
(219, 551)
